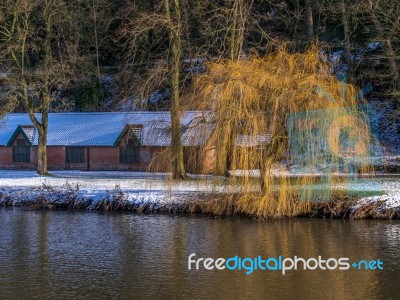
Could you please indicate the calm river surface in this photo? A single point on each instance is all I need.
(67, 255)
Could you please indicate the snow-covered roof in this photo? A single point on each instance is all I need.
(245, 140)
(103, 129)
(30, 132)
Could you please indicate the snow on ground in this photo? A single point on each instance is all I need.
(389, 201)
(137, 187)
(390, 187)
(97, 183)
(158, 187)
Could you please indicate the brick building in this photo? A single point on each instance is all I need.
(136, 141)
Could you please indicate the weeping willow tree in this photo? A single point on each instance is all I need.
(281, 107)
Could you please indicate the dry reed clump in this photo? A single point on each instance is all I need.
(375, 210)
(284, 106)
(341, 207)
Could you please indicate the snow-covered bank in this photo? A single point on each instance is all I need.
(113, 200)
(106, 190)
(155, 192)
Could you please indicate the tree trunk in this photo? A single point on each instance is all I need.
(233, 29)
(42, 153)
(178, 167)
(236, 30)
(263, 173)
(42, 139)
(346, 31)
(225, 153)
(96, 46)
(310, 20)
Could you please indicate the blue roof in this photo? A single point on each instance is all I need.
(103, 129)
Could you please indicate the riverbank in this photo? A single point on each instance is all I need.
(181, 202)
(155, 193)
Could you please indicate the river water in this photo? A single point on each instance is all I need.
(67, 255)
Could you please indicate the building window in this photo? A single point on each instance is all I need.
(129, 154)
(75, 154)
(21, 152)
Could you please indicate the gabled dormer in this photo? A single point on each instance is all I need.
(22, 140)
(23, 132)
(129, 143)
(130, 132)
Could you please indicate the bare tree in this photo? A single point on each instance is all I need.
(173, 15)
(29, 54)
(385, 17)
(166, 16)
(100, 20)
(227, 26)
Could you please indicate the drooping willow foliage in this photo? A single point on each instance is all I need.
(284, 107)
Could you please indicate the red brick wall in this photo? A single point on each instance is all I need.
(107, 158)
(103, 158)
(100, 158)
(6, 157)
(6, 161)
(56, 158)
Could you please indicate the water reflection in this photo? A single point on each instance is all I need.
(123, 256)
